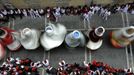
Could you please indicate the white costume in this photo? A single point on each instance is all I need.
(29, 38)
(53, 36)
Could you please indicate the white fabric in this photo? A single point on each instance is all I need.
(126, 34)
(60, 63)
(30, 38)
(54, 38)
(4, 12)
(125, 10)
(98, 33)
(132, 12)
(94, 45)
(14, 46)
(24, 13)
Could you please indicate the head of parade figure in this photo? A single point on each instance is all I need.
(76, 34)
(26, 33)
(129, 32)
(95, 38)
(2, 33)
(74, 39)
(96, 34)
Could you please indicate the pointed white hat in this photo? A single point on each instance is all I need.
(29, 38)
(95, 36)
(53, 36)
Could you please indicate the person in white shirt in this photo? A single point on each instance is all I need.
(41, 12)
(31, 12)
(62, 11)
(32, 64)
(36, 12)
(125, 9)
(102, 12)
(38, 64)
(96, 8)
(46, 63)
(90, 13)
(118, 9)
(132, 12)
(106, 14)
(86, 18)
(57, 13)
(4, 12)
(62, 63)
(24, 12)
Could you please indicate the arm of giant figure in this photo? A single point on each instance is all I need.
(8, 29)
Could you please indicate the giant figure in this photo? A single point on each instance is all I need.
(122, 37)
(74, 39)
(95, 38)
(53, 36)
(29, 38)
(9, 38)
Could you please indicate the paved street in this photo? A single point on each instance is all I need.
(120, 58)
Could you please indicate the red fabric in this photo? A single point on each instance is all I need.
(22, 62)
(34, 69)
(8, 39)
(17, 68)
(26, 68)
(94, 62)
(2, 50)
(113, 41)
(20, 71)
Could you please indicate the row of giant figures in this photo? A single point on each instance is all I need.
(54, 35)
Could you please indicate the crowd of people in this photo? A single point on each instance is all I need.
(16, 66)
(56, 12)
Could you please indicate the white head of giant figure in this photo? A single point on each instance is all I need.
(95, 38)
(123, 37)
(29, 38)
(9, 38)
(75, 38)
(53, 36)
